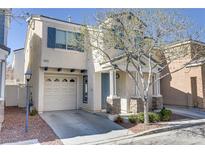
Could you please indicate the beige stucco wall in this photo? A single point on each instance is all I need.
(176, 88)
(39, 56)
(18, 66)
(60, 57)
(33, 48)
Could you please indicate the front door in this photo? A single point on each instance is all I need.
(105, 81)
(194, 91)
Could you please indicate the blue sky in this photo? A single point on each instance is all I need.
(17, 31)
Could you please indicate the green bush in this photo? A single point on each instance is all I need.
(165, 114)
(140, 117)
(153, 117)
(119, 119)
(133, 118)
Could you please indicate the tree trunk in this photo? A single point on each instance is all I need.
(146, 117)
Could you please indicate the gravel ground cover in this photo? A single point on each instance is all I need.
(13, 129)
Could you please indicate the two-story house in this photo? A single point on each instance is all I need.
(65, 74)
(4, 51)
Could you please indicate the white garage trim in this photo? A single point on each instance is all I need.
(60, 92)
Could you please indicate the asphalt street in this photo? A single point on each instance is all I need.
(187, 136)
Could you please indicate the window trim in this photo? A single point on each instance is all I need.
(68, 47)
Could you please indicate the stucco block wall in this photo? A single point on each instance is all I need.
(15, 95)
(176, 88)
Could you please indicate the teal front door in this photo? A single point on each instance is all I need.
(105, 81)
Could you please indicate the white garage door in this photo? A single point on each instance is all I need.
(60, 93)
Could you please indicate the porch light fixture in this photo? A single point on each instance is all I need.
(117, 75)
(28, 75)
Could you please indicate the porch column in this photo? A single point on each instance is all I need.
(113, 83)
(157, 99)
(158, 84)
(113, 101)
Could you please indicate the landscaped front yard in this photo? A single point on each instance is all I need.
(14, 128)
(141, 127)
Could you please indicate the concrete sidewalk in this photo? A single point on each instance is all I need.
(26, 142)
(189, 112)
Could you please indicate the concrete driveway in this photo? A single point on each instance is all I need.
(80, 127)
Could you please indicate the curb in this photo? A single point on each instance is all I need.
(168, 128)
(152, 131)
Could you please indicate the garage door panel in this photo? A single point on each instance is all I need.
(60, 93)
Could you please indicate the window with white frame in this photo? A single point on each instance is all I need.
(61, 39)
(65, 39)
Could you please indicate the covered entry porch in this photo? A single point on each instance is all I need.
(119, 93)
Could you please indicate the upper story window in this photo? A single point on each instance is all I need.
(65, 40)
(60, 39)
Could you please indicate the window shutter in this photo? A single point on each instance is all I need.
(51, 38)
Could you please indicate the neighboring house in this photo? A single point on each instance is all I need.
(18, 65)
(187, 86)
(66, 75)
(9, 75)
(4, 51)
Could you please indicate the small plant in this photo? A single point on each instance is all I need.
(140, 117)
(119, 119)
(133, 119)
(153, 117)
(165, 114)
(33, 112)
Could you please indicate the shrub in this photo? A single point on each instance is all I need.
(119, 119)
(140, 117)
(153, 117)
(33, 112)
(133, 118)
(165, 114)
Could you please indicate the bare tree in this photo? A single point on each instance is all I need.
(139, 36)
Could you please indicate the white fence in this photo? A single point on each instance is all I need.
(15, 95)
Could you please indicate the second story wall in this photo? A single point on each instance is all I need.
(57, 49)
